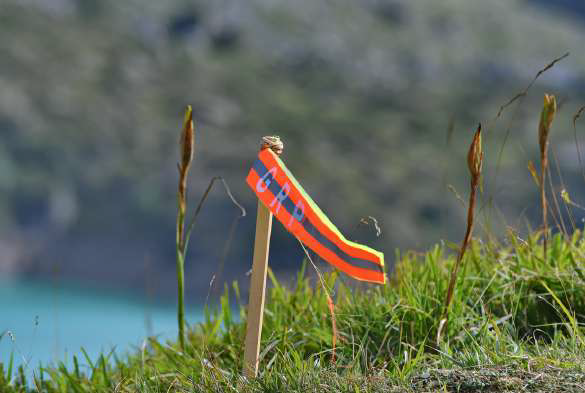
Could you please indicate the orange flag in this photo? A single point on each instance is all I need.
(276, 187)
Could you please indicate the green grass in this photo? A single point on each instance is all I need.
(515, 324)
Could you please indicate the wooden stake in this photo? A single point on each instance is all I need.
(257, 290)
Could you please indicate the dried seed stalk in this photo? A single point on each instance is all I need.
(547, 115)
(333, 325)
(186, 144)
(474, 163)
(186, 151)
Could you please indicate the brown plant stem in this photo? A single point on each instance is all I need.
(474, 163)
(543, 166)
(186, 146)
(464, 244)
(331, 306)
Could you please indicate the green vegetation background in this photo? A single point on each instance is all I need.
(376, 103)
(516, 325)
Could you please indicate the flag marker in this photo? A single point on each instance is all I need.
(281, 195)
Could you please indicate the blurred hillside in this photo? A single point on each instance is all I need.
(375, 100)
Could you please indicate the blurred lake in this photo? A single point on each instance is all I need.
(51, 323)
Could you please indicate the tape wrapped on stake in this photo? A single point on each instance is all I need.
(280, 194)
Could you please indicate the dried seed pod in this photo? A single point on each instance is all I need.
(475, 155)
(547, 115)
(186, 146)
(187, 142)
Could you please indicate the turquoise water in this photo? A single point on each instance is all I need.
(49, 323)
